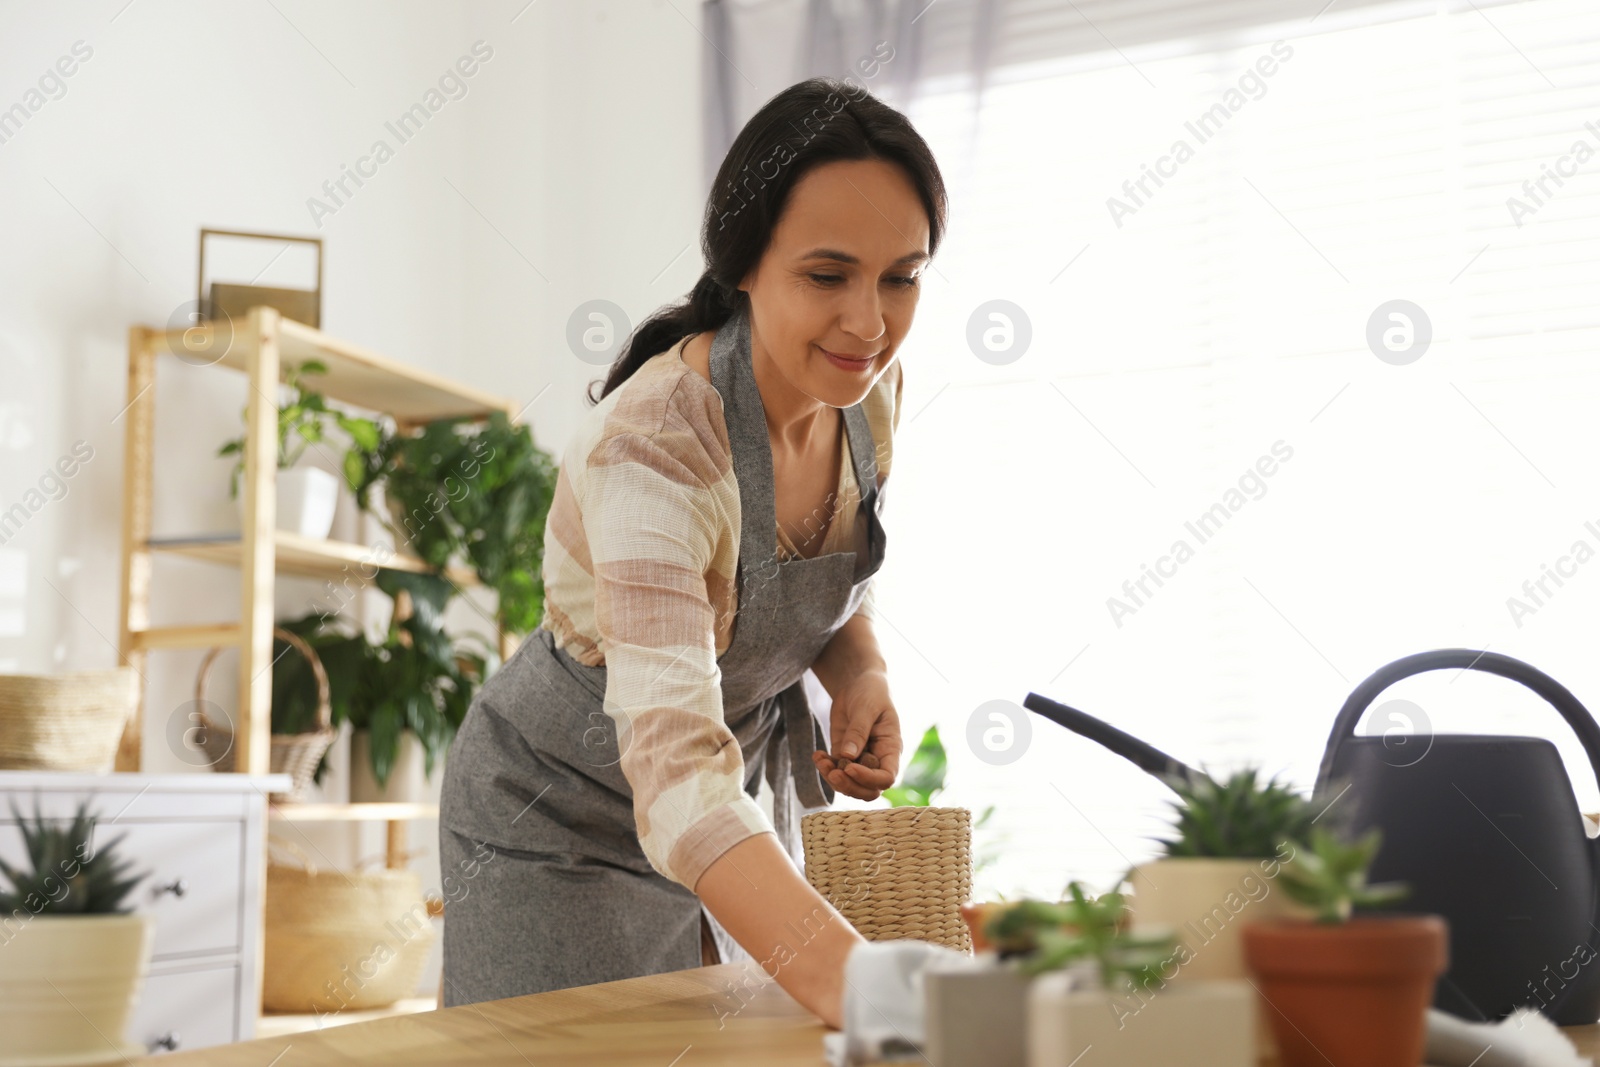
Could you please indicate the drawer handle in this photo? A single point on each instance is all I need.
(169, 1041)
(177, 887)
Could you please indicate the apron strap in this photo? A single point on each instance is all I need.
(746, 419)
(863, 452)
(796, 735)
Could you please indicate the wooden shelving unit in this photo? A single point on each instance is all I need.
(261, 346)
(301, 556)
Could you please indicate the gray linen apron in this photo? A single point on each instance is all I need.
(546, 885)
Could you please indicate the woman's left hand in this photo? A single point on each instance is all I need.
(866, 732)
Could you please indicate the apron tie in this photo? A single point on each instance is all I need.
(796, 735)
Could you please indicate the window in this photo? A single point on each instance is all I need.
(1185, 331)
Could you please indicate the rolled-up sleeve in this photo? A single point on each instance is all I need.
(653, 506)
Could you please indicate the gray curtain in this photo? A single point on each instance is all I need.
(756, 48)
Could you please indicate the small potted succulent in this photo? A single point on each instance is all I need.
(306, 496)
(1218, 869)
(63, 927)
(1342, 990)
(1062, 977)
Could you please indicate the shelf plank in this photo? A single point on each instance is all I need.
(205, 635)
(289, 811)
(309, 558)
(355, 375)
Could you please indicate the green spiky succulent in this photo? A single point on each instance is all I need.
(69, 876)
(1046, 936)
(1243, 817)
(1330, 875)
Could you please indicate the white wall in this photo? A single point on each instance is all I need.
(568, 171)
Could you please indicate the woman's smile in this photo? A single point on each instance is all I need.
(845, 362)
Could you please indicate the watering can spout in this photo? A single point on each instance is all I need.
(1141, 754)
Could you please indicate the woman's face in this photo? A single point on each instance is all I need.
(836, 289)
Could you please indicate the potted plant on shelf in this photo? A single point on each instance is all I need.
(456, 490)
(404, 696)
(306, 496)
(72, 953)
(1344, 991)
(1219, 868)
(300, 736)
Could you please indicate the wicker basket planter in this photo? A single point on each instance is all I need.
(65, 722)
(296, 755)
(894, 872)
(341, 940)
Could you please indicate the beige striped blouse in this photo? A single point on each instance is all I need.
(641, 556)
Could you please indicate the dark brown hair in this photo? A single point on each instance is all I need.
(812, 122)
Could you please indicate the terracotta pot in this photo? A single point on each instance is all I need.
(1352, 994)
(974, 914)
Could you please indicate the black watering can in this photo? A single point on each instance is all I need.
(1484, 829)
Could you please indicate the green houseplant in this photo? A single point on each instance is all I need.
(1340, 989)
(460, 490)
(65, 924)
(1330, 877)
(1046, 936)
(1219, 866)
(923, 777)
(1073, 974)
(1241, 817)
(306, 496)
(412, 687)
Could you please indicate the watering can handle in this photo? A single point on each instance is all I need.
(1558, 695)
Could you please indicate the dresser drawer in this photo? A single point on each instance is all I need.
(194, 887)
(182, 1010)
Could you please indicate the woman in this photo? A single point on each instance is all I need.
(713, 534)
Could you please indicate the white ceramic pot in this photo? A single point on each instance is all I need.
(1205, 902)
(68, 985)
(1179, 1024)
(407, 784)
(307, 498)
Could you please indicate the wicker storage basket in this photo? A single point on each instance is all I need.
(65, 722)
(296, 755)
(341, 940)
(894, 872)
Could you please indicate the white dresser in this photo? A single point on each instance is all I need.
(201, 837)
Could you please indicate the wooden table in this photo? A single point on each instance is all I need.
(702, 1017)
